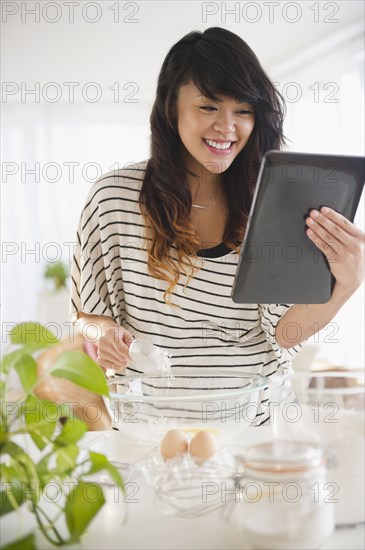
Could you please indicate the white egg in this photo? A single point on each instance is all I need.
(203, 446)
(173, 443)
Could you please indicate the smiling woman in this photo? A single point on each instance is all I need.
(206, 85)
(158, 243)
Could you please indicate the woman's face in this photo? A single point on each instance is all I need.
(212, 132)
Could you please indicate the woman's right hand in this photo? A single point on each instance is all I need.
(113, 348)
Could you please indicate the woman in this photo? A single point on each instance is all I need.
(158, 242)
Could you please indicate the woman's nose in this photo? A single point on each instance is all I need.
(224, 123)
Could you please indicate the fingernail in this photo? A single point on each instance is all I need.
(314, 213)
(325, 210)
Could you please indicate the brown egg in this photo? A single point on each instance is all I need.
(173, 443)
(203, 446)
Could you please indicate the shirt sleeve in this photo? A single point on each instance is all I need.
(270, 315)
(92, 286)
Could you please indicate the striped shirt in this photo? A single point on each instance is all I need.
(110, 277)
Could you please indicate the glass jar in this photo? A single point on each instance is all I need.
(285, 502)
(328, 409)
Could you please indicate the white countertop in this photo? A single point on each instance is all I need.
(145, 527)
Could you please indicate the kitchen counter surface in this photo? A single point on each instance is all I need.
(134, 522)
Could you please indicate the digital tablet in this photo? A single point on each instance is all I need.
(278, 262)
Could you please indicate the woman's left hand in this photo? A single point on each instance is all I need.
(341, 242)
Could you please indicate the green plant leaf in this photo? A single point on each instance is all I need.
(2, 389)
(72, 431)
(114, 474)
(25, 543)
(45, 474)
(66, 459)
(30, 469)
(41, 418)
(97, 462)
(81, 370)
(13, 470)
(82, 504)
(12, 449)
(9, 360)
(32, 334)
(20, 469)
(4, 429)
(100, 462)
(12, 497)
(26, 368)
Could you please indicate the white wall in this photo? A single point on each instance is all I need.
(299, 44)
(324, 89)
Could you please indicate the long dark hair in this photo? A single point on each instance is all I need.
(219, 63)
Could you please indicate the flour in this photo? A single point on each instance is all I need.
(149, 358)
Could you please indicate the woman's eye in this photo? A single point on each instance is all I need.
(210, 108)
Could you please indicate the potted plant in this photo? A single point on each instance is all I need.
(53, 298)
(58, 274)
(61, 458)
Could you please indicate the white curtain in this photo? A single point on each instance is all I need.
(39, 218)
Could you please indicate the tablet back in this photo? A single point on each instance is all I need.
(278, 262)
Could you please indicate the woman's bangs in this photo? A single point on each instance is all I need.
(216, 85)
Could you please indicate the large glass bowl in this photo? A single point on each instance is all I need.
(144, 407)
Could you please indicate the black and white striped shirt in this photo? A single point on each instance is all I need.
(110, 277)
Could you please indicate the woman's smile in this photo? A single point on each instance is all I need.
(219, 147)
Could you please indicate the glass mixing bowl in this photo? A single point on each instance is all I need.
(144, 407)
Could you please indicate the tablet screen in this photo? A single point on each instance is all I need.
(278, 262)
